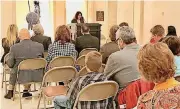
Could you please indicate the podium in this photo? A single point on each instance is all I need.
(95, 30)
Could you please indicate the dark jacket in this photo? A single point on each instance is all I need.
(107, 49)
(86, 41)
(75, 21)
(46, 41)
(6, 48)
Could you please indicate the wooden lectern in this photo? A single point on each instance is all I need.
(95, 30)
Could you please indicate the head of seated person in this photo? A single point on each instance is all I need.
(156, 64)
(24, 34)
(112, 33)
(123, 24)
(157, 33)
(173, 43)
(171, 31)
(85, 29)
(125, 36)
(62, 34)
(38, 29)
(93, 61)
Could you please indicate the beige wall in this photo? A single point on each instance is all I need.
(141, 15)
(59, 13)
(7, 15)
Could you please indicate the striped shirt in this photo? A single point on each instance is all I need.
(83, 81)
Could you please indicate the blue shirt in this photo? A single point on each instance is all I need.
(177, 63)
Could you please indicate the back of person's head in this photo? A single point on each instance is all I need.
(173, 43)
(85, 28)
(62, 34)
(126, 34)
(171, 31)
(93, 61)
(112, 34)
(24, 34)
(156, 62)
(12, 34)
(38, 29)
(123, 24)
(157, 30)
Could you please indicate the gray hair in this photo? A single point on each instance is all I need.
(127, 34)
(38, 29)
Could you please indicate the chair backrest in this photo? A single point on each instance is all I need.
(45, 54)
(61, 61)
(86, 51)
(81, 61)
(60, 74)
(32, 64)
(97, 91)
(84, 71)
(6, 57)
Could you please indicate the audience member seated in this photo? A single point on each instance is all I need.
(62, 45)
(19, 52)
(156, 64)
(111, 47)
(157, 33)
(87, 40)
(174, 45)
(11, 39)
(39, 36)
(171, 31)
(123, 24)
(93, 61)
(122, 65)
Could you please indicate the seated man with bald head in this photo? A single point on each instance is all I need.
(26, 49)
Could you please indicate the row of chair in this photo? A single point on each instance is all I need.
(57, 62)
(89, 93)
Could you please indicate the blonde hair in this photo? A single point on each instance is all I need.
(93, 61)
(38, 29)
(12, 34)
(156, 62)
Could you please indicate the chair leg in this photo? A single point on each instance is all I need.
(44, 101)
(5, 82)
(20, 103)
(14, 91)
(39, 100)
(34, 86)
(2, 79)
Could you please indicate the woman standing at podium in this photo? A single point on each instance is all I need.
(78, 18)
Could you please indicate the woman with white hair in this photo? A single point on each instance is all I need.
(39, 36)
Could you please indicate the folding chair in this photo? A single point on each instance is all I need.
(30, 64)
(86, 51)
(81, 61)
(98, 91)
(45, 54)
(6, 70)
(84, 71)
(57, 74)
(62, 61)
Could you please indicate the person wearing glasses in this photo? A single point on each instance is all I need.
(122, 65)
